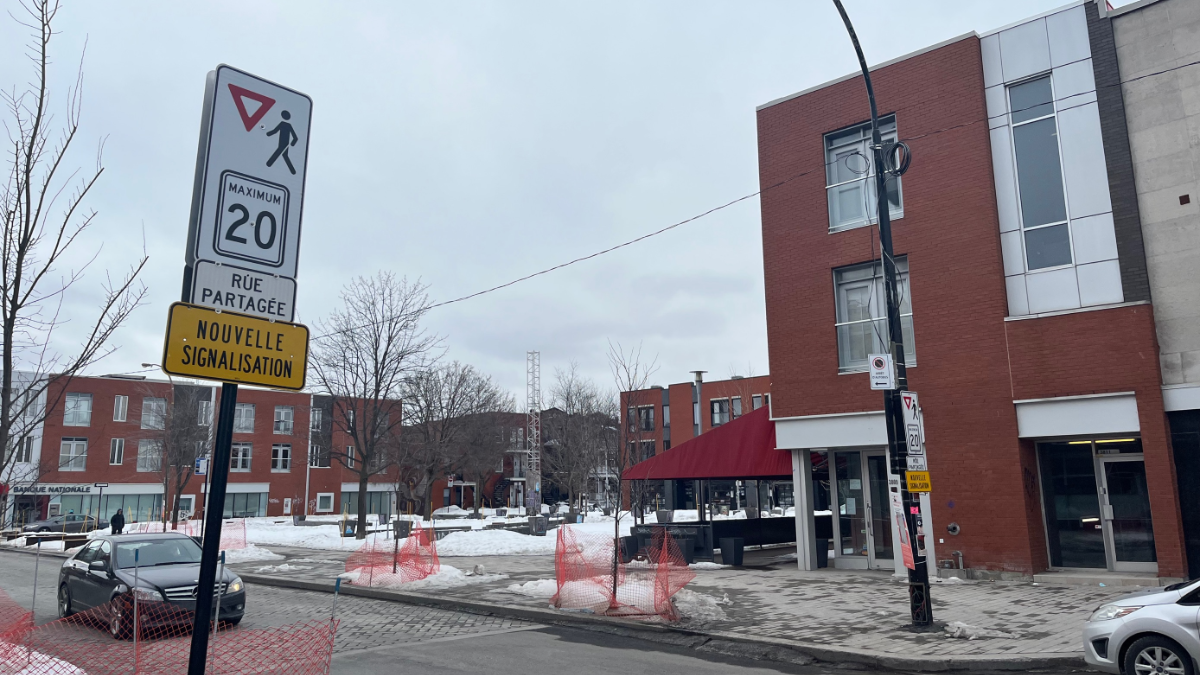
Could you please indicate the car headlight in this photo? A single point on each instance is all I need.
(236, 585)
(1109, 612)
(147, 594)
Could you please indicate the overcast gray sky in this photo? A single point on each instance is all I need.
(470, 143)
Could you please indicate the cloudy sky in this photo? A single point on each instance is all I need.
(471, 143)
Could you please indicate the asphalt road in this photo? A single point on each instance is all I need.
(376, 636)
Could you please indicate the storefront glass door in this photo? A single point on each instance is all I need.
(863, 524)
(1127, 521)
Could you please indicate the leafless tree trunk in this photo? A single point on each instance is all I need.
(574, 431)
(182, 432)
(42, 205)
(485, 442)
(363, 354)
(439, 405)
(629, 373)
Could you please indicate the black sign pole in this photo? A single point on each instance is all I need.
(214, 508)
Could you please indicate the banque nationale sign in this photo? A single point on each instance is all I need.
(39, 489)
(214, 345)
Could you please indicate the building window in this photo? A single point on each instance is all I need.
(324, 502)
(349, 456)
(756, 401)
(154, 413)
(314, 420)
(284, 414)
(850, 178)
(767, 397)
(25, 450)
(1039, 174)
(239, 457)
(646, 418)
(640, 451)
(862, 315)
(150, 453)
(735, 405)
(318, 457)
(120, 408)
(281, 457)
(666, 416)
(205, 414)
(78, 410)
(72, 454)
(116, 451)
(243, 418)
(720, 411)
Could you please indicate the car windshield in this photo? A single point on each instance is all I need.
(151, 552)
(1181, 585)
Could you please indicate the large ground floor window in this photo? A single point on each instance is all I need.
(135, 508)
(378, 503)
(245, 505)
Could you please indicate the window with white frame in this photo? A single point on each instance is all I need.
(756, 401)
(204, 414)
(281, 457)
(243, 418)
(150, 452)
(646, 418)
(284, 416)
(120, 408)
(720, 411)
(324, 502)
(850, 176)
(314, 419)
(318, 457)
(735, 407)
(239, 457)
(349, 456)
(116, 451)
(640, 451)
(862, 314)
(72, 454)
(154, 413)
(77, 410)
(1046, 234)
(25, 450)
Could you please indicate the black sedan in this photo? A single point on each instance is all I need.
(69, 523)
(102, 575)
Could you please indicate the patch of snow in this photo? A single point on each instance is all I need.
(699, 607)
(251, 553)
(18, 660)
(494, 542)
(450, 577)
(950, 580)
(958, 629)
(264, 531)
(452, 510)
(285, 567)
(539, 588)
(15, 543)
(708, 566)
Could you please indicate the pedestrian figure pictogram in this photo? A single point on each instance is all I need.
(287, 138)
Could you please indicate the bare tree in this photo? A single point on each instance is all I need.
(367, 350)
(439, 404)
(42, 205)
(180, 432)
(629, 373)
(486, 441)
(575, 432)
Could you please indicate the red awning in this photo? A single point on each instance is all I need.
(743, 448)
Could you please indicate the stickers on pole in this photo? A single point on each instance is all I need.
(906, 551)
(212, 345)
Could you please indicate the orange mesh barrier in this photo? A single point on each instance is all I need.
(111, 640)
(233, 534)
(383, 563)
(584, 570)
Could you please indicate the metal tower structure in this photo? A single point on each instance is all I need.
(533, 431)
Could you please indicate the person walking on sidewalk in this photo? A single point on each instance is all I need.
(117, 522)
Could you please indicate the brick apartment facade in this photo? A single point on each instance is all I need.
(1033, 339)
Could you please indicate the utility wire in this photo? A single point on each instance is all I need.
(774, 186)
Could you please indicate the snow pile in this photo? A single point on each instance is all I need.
(539, 588)
(446, 577)
(696, 607)
(950, 580)
(22, 661)
(268, 531)
(958, 629)
(708, 566)
(251, 553)
(15, 543)
(493, 542)
(285, 567)
(451, 511)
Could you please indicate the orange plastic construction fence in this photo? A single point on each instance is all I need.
(390, 563)
(155, 638)
(589, 576)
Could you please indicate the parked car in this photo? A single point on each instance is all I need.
(101, 575)
(71, 522)
(1151, 632)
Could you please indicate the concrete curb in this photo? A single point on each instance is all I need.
(759, 648)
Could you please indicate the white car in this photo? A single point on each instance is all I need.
(1154, 632)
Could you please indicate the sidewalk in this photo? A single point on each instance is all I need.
(775, 610)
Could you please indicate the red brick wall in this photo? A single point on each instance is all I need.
(984, 477)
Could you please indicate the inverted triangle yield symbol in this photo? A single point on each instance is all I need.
(265, 104)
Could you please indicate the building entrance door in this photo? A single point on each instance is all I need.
(863, 523)
(1097, 505)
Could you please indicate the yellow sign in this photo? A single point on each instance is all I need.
(212, 345)
(918, 481)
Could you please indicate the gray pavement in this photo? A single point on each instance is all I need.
(378, 636)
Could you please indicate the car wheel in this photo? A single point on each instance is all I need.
(64, 601)
(234, 621)
(120, 618)
(1157, 655)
